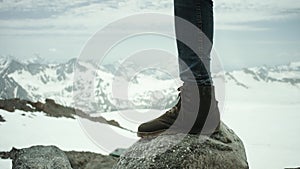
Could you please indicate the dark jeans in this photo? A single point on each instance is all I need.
(194, 65)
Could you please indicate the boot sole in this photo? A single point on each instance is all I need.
(170, 132)
(150, 134)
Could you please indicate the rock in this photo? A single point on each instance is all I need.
(38, 106)
(46, 157)
(88, 160)
(15, 103)
(52, 109)
(220, 151)
(56, 110)
(7, 107)
(50, 101)
(40, 157)
(2, 119)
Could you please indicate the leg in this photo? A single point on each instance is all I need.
(200, 14)
(194, 65)
(197, 103)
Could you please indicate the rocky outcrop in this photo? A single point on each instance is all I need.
(223, 150)
(2, 119)
(51, 108)
(12, 104)
(39, 157)
(51, 157)
(88, 160)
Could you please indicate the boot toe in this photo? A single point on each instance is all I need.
(152, 127)
(149, 127)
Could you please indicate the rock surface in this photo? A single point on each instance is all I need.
(223, 150)
(2, 119)
(40, 157)
(88, 160)
(51, 157)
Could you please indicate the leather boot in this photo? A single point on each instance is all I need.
(195, 113)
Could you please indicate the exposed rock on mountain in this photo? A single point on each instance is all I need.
(9, 88)
(51, 109)
(1, 119)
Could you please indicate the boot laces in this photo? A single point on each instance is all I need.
(175, 109)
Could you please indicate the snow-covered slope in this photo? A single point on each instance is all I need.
(262, 107)
(22, 129)
(265, 85)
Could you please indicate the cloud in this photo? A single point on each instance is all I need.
(52, 49)
(78, 18)
(86, 17)
(237, 13)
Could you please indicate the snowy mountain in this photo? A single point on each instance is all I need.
(36, 81)
(265, 85)
(289, 74)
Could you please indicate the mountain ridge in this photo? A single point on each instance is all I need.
(38, 81)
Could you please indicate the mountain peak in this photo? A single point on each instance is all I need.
(295, 65)
(37, 59)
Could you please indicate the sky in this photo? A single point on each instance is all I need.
(247, 32)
